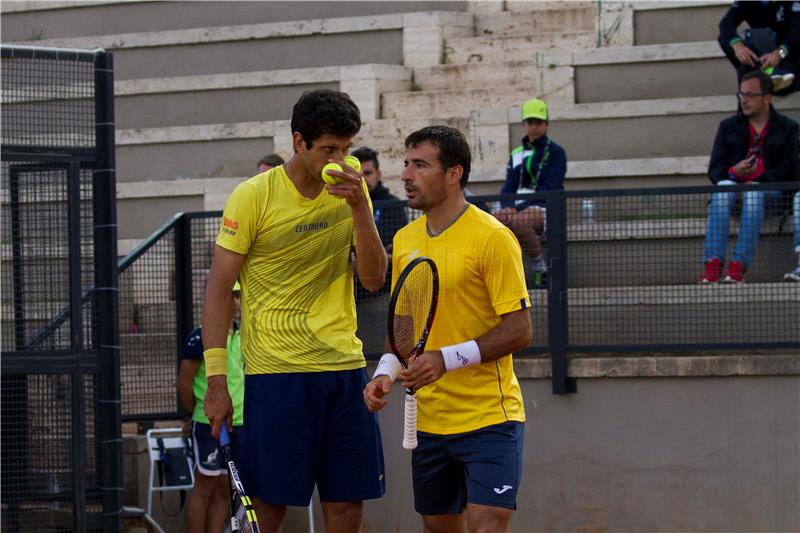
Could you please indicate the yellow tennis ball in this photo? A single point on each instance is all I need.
(332, 180)
(353, 162)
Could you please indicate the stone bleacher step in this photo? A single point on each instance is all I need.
(514, 74)
(491, 49)
(676, 22)
(451, 103)
(563, 16)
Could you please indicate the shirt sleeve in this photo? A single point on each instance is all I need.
(554, 171)
(192, 348)
(504, 274)
(730, 22)
(237, 229)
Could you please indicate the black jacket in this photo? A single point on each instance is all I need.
(780, 148)
(782, 17)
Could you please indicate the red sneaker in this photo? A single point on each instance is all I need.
(735, 273)
(712, 271)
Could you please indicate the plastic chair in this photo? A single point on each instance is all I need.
(172, 438)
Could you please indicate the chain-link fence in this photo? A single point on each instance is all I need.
(61, 457)
(620, 272)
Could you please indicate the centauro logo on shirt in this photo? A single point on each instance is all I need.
(311, 226)
(229, 226)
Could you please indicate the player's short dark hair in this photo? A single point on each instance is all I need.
(273, 160)
(763, 80)
(364, 154)
(322, 111)
(452, 145)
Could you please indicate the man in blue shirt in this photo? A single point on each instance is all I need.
(538, 165)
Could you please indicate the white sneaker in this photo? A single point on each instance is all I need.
(794, 275)
(781, 81)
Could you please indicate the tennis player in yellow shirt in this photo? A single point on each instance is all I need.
(471, 415)
(292, 240)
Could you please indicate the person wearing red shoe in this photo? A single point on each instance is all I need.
(757, 145)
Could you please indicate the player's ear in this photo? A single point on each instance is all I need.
(298, 143)
(454, 175)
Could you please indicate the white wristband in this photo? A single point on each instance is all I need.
(461, 355)
(389, 366)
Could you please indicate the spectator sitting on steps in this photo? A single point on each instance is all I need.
(269, 162)
(794, 275)
(757, 145)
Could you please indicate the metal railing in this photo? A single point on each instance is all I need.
(623, 272)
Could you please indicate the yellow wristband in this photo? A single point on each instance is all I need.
(216, 361)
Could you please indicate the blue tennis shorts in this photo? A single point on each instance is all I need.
(310, 428)
(482, 466)
(207, 455)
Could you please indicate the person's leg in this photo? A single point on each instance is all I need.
(342, 517)
(753, 208)
(443, 523)
(198, 506)
(525, 224)
(487, 519)
(794, 275)
(203, 512)
(280, 445)
(350, 468)
(719, 217)
(789, 66)
(219, 506)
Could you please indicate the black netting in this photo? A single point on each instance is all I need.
(48, 101)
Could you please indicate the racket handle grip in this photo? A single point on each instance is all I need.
(410, 423)
(224, 436)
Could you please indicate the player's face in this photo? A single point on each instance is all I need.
(534, 128)
(371, 174)
(324, 149)
(424, 178)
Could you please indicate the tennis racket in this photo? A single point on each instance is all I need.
(412, 308)
(243, 516)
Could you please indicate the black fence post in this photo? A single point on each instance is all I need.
(557, 296)
(184, 308)
(107, 305)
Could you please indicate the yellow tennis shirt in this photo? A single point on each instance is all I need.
(480, 278)
(298, 310)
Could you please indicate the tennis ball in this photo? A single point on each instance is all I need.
(353, 162)
(332, 180)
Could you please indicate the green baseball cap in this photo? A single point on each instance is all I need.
(534, 109)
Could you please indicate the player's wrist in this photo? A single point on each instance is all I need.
(388, 366)
(216, 362)
(460, 356)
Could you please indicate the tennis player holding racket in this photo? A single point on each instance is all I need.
(293, 240)
(470, 409)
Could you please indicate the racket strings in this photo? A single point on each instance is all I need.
(413, 308)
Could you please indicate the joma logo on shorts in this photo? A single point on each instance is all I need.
(311, 226)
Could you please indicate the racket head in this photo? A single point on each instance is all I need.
(412, 308)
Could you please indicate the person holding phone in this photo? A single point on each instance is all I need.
(757, 145)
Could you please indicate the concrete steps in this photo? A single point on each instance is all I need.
(548, 17)
(521, 74)
(676, 22)
(491, 49)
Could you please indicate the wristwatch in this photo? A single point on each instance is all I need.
(782, 52)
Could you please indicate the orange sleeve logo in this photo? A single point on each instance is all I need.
(228, 223)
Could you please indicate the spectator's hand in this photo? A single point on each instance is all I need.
(218, 406)
(375, 391)
(744, 54)
(771, 59)
(423, 370)
(504, 214)
(745, 167)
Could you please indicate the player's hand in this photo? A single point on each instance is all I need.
(350, 187)
(504, 215)
(744, 54)
(218, 406)
(375, 391)
(772, 59)
(423, 370)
